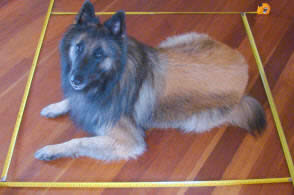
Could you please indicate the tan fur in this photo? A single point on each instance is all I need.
(204, 67)
(123, 141)
(201, 74)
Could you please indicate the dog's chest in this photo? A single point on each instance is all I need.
(90, 115)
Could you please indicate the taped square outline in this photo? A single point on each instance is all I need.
(282, 138)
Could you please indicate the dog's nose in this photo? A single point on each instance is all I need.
(77, 79)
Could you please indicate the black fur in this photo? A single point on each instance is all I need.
(112, 93)
(87, 15)
(259, 121)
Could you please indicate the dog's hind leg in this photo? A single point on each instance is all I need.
(56, 109)
(197, 122)
(123, 141)
(247, 114)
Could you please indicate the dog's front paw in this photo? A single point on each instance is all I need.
(50, 111)
(47, 153)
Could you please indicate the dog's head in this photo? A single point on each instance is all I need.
(93, 52)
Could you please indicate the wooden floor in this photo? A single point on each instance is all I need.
(223, 153)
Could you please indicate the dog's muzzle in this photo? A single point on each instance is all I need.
(77, 82)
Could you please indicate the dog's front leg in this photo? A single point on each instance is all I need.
(123, 141)
(56, 109)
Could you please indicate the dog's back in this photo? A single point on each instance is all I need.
(204, 82)
(209, 72)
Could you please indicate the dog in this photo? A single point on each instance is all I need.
(116, 87)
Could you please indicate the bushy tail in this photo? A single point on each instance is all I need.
(249, 114)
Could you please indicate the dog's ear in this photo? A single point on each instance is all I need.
(87, 14)
(116, 24)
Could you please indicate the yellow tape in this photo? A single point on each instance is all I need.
(142, 184)
(25, 96)
(153, 13)
(270, 98)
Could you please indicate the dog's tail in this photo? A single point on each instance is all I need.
(248, 114)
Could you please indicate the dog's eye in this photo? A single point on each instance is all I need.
(98, 53)
(79, 47)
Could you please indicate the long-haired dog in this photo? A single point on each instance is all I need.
(116, 87)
